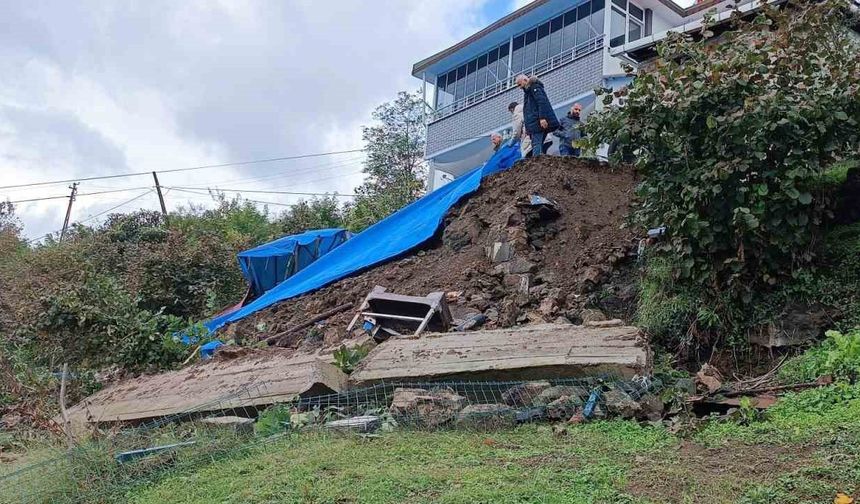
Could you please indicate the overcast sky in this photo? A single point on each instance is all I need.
(94, 87)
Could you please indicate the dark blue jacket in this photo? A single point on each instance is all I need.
(536, 106)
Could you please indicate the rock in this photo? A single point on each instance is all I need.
(797, 324)
(559, 430)
(591, 315)
(592, 275)
(651, 408)
(524, 393)
(551, 394)
(500, 252)
(508, 313)
(492, 314)
(516, 266)
(487, 416)
(548, 307)
(710, 378)
(685, 385)
(619, 403)
(576, 419)
(363, 424)
(563, 408)
(605, 323)
(562, 320)
(430, 408)
(240, 425)
(11, 420)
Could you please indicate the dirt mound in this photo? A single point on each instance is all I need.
(515, 261)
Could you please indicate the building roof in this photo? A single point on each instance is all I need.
(422, 65)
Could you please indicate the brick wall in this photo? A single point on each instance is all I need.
(561, 84)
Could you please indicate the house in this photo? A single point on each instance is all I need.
(574, 46)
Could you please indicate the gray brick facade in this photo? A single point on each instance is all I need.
(561, 84)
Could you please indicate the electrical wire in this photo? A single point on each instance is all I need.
(66, 196)
(174, 170)
(179, 188)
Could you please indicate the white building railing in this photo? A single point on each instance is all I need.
(545, 66)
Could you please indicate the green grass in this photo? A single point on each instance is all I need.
(614, 461)
(806, 449)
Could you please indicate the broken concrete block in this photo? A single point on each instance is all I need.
(651, 408)
(619, 403)
(240, 425)
(487, 416)
(591, 315)
(605, 323)
(564, 407)
(363, 424)
(501, 252)
(430, 408)
(553, 393)
(524, 393)
(548, 307)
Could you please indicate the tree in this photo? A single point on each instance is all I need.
(318, 213)
(394, 167)
(732, 136)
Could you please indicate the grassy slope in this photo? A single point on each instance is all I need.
(807, 450)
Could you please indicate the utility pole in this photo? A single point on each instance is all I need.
(160, 198)
(74, 188)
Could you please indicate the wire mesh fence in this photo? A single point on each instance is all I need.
(116, 458)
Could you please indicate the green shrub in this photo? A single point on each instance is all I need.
(275, 420)
(731, 140)
(837, 356)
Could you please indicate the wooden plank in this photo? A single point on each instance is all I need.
(256, 379)
(530, 352)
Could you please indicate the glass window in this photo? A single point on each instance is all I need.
(597, 17)
(555, 36)
(583, 29)
(517, 56)
(529, 50)
(569, 31)
(621, 3)
(471, 77)
(542, 43)
(481, 74)
(502, 67)
(492, 73)
(636, 12)
(634, 30)
(461, 83)
(617, 28)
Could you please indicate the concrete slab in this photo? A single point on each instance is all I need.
(248, 379)
(522, 353)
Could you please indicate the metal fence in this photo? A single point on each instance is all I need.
(543, 67)
(116, 459)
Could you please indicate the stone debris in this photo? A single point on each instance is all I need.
(430, 408)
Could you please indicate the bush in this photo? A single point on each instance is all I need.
(731, 139)
(838, 356)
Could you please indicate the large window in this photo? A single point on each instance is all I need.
(533, 47)
(627, 23)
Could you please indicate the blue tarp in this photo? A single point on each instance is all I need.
(399, 232)
(271, 263)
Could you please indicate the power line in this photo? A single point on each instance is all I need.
(79, 194)
(179, 188)
(246, 199)
(174, 170)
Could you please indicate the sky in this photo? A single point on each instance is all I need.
(93, 88)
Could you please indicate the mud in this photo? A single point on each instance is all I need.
(551, 262)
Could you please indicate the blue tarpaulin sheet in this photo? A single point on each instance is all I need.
(271, 263)
(398, 233)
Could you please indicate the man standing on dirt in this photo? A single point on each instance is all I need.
(519, 133)
(538, 116)
(570, 131)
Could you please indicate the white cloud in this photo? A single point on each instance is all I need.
(96, 88)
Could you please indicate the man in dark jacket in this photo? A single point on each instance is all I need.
(538, 116)
(569, 132)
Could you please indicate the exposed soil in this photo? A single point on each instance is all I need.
(560, 263)
(724, 471)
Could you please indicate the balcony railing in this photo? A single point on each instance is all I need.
(545, 66)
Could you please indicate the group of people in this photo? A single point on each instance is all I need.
(535, 118)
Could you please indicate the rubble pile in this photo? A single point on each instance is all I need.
(544, 241)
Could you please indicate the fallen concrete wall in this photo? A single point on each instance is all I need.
(528, 352)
